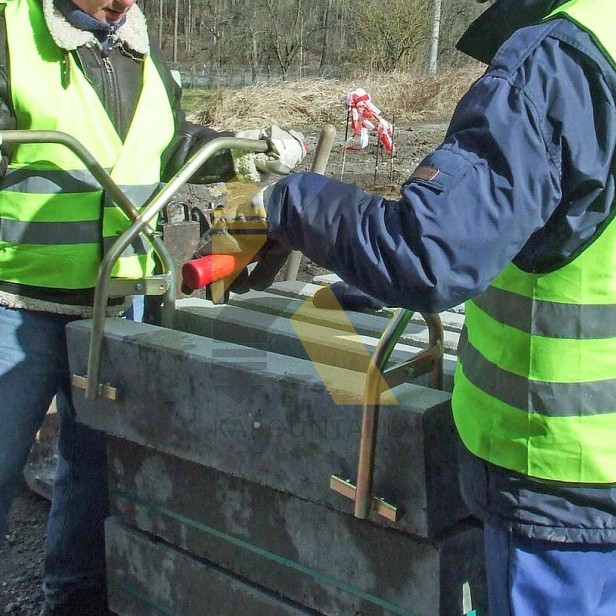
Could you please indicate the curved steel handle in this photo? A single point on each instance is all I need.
(141, 225)
(429, 361)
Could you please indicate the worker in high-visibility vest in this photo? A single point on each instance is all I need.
(513, 214)
(89, 69)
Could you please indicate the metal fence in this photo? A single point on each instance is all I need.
(238, 76)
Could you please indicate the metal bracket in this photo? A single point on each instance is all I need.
(153, 285)
(346, 488)
(429, 361)
(104, 391)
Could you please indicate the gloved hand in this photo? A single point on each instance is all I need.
(342, 295)
(187, 141)
(240, 228)
(287, 149)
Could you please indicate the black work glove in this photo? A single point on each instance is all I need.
(240, 229)
(187, 141)
(342, 295)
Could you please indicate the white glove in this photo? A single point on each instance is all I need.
(288, 148)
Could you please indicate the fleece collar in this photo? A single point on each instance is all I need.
(133, 33)
(497, 23)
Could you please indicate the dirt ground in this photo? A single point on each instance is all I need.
(374, 169)
(21, 557)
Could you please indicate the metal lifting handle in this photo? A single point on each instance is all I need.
(116, 194)
(141, 225)
(429, 361)
(106, 182)
(162, 198)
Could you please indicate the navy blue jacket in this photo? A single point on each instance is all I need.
(526, 173)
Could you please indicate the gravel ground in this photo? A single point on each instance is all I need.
(21, 557)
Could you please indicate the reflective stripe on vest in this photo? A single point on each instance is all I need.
(535, 386)
(55, 221)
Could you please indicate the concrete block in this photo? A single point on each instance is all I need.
(336, 346)
(295, 327)
(368, 322)
(149, 578)
(271, 419)
(315, 556)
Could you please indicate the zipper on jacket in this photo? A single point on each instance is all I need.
(110, 86)
(107, 45)
(107, 64)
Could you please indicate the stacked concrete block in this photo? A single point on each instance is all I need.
(221, 452)
(149, 578)
(266, 317)
(307, 553)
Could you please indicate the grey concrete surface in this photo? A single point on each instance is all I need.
(293, 326)
(272, 419)
(221, 445)
(340, 347)
(150, 578)
(315, 556)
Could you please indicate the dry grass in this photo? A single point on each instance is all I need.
(311, 102)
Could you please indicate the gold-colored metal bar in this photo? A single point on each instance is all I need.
(372, 396)
(383, 508)
(153, 285)
(435, 340)
(104, 391)
(428, 361)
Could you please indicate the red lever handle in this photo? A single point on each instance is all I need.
(200, 272)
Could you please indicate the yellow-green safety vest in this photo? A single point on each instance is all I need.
(55, 220)
(535, 385)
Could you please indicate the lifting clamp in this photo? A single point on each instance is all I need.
(429, 361)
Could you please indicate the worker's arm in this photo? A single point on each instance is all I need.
(7, 122)
(286, 150)
(492, 193)
(287, 147)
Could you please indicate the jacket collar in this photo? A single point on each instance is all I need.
(133, 33)
(497, 23)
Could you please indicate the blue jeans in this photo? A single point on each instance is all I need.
(530, 577)
(34, 368)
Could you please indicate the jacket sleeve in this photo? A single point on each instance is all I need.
(7, 122)
(476, 203)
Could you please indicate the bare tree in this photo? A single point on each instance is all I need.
(291, 25)
(327, 6)
(394, 31)
(160, 22)
(373, 34)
